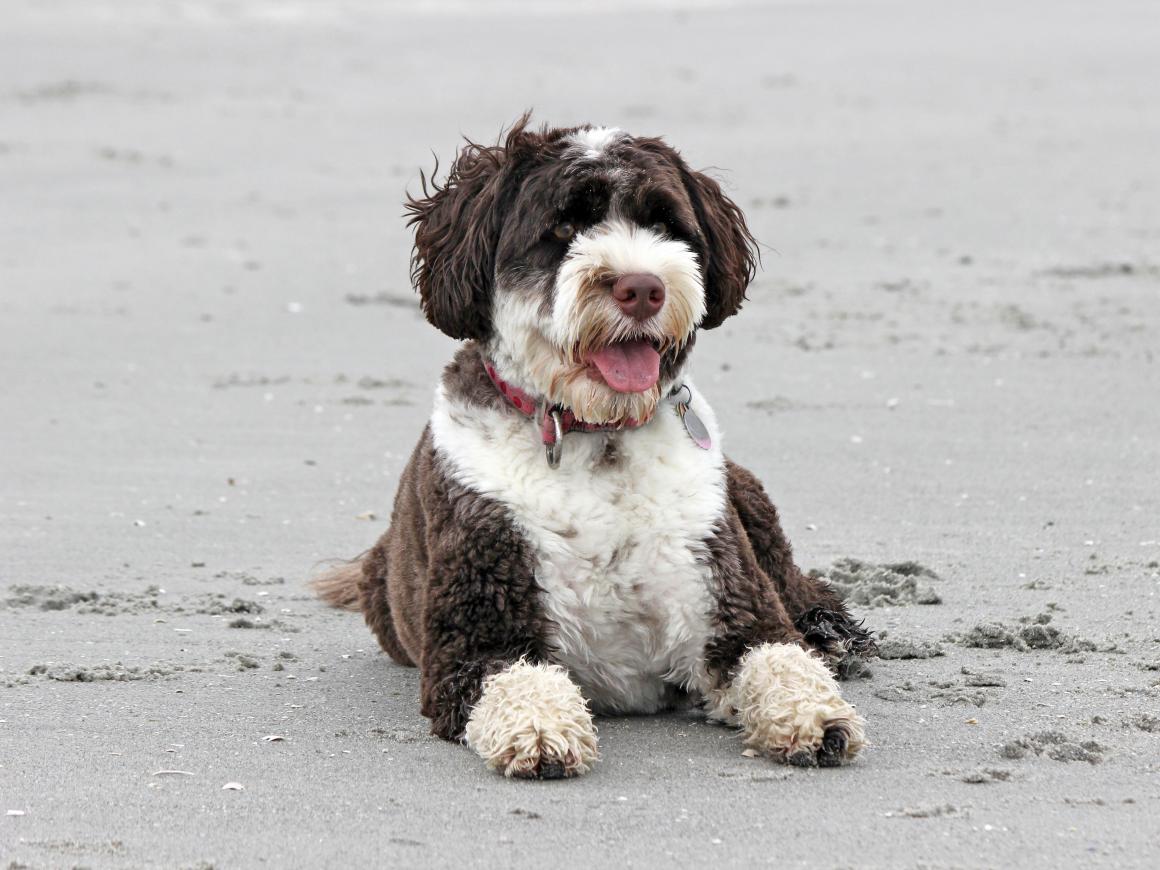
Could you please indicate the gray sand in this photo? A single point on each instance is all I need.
(867, 584)
(1053, 745)
(213, 371)
(1035, 634)
(892, 648)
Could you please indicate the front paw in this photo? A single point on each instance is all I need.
(532, 722)
(842, 640)
(788, 706)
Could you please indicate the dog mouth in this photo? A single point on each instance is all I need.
(629, 366)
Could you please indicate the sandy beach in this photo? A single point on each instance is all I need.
(214, 368)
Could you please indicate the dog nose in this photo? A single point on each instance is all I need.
(640, 296)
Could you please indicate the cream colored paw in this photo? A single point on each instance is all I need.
(788, 706)
(531, 721)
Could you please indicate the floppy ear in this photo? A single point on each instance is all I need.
(730, 259)
(457, 227)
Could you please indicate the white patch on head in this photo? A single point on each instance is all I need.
(784, 699)
(619, 531)
(532, 716)
(589, 144)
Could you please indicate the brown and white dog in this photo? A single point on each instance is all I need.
(568, 537)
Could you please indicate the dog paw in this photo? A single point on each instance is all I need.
(788, 707)
(841, 640)
(532, 722)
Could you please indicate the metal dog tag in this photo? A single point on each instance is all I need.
(693, 424)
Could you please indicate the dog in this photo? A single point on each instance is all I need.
(568, 538)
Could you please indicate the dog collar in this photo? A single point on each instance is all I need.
(557, 421)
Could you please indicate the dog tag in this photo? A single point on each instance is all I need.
(694, 426)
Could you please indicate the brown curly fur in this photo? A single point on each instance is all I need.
(762, 526)
(450, 587)
(729, 255)
(749, 609)
(458, 225)
(338, 587)
(774, 590)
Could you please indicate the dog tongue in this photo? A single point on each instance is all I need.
(628, 366)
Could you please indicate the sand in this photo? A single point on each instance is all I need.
(213, 370)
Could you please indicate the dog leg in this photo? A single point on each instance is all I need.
(532, 722)
(842, 640)
(788, 707)
(815, 609)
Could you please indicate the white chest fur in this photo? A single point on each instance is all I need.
(619, 531)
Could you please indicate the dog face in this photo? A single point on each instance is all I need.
(584, 260)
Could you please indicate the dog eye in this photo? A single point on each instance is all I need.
(564, 231)
(660, 228)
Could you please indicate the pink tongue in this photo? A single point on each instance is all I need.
(628, 366)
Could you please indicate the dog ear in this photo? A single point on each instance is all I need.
(457, 227)
(731, 256)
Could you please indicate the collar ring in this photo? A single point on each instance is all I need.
(555, 449)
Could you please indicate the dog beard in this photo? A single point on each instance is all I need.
(566, 380)
(556, 351)
(566, 376)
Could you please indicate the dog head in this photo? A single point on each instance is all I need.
(583, 259)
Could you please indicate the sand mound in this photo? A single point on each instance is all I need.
(1034, 634)
(870, 584)
(1054, 745)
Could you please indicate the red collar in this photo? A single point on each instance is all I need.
(555, 422)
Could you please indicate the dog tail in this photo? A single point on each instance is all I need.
(338, 585)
